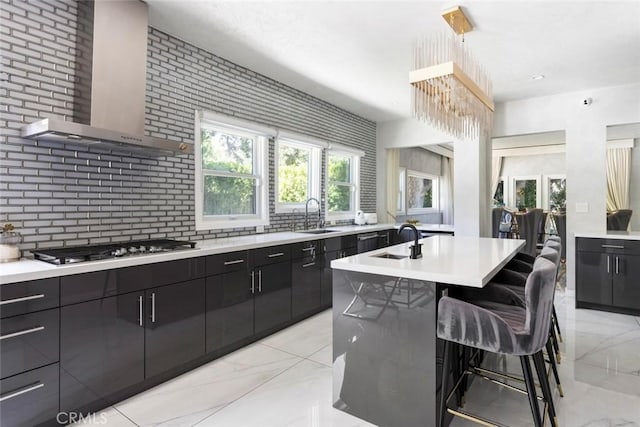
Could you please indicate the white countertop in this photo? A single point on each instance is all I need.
(625, 235)
(467, 261)
(29, 269)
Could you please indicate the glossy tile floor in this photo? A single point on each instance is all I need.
(286, 380)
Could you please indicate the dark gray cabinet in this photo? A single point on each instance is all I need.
(30, 398)
(374, 240)
(626, 282)
(334, 248)
(29, 352)
(101, 350)
(608, 274)
(229, 301)
(306, 277)
(110, 344)
(29, 341)
(271, 287)
(175, 327)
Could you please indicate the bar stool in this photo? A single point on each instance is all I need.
(514, 283)
(522, 265)
(504, 329)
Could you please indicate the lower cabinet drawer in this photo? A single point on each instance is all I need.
(26, 297)
(31, 398)
(29, 341)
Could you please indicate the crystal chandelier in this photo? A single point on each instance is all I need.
(450, 89)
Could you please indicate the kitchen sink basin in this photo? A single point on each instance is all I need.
(318, 231)
(389, 256)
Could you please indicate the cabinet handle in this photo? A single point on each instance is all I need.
(617, 265)
(608, 265)
(153, 307)
(311, 248)
(277, 254)
(23, 332)
(259, 280)
(309, 264)
(26, 389)
(613, 246)
(253, 281)
(15, 300)
(140, 302)
(237, 261)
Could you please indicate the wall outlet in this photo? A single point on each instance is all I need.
(259, 228)
(582, 207)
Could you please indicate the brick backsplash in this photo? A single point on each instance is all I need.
(58, 194)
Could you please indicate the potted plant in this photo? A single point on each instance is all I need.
(9, 239)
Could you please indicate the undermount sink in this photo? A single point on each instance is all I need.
(317, 231)
(389, 256)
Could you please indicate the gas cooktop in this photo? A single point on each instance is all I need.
(68, 255)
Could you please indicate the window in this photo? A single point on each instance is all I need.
(422, 192)
(498, 197)
(343, 169)
(297, 174)
(231, 173)
(555, 192)
(526, 192)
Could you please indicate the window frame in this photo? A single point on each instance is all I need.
(237, 127)
(354, 184)
(314, 173)
(435, 193)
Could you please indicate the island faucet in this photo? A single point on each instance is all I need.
(416, 249)
(306, 213)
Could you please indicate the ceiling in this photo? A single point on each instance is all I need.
(356, 54)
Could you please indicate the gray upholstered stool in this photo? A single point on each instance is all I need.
(503, 328)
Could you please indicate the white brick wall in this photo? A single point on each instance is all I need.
(69, 195)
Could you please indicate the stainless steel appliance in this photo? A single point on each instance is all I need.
(74, 254)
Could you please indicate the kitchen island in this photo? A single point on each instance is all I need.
(386, 356)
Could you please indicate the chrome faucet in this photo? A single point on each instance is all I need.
(306, 213)
(416, 249)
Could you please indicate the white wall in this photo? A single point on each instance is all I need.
(540, 164)
(585, 128)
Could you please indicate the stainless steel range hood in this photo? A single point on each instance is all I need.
(118, 85)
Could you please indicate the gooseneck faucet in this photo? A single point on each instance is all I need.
(416, 249)
(306, 212)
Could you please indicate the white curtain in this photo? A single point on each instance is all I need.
(446, 195)
(618, 178)
(393, 168)
(496, 168)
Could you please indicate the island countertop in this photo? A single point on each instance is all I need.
(466, 261)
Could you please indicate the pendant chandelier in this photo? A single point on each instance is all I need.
(450, 89)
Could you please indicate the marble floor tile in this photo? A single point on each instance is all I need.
(191, 397)
(301, 396)
(616, 353)
(324, 355)
(304, 338)
(108, 417)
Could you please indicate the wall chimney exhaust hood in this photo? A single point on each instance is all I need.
(114, 114)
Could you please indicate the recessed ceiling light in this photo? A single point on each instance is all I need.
(537, 77)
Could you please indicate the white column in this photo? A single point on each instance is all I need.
(471, 175)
